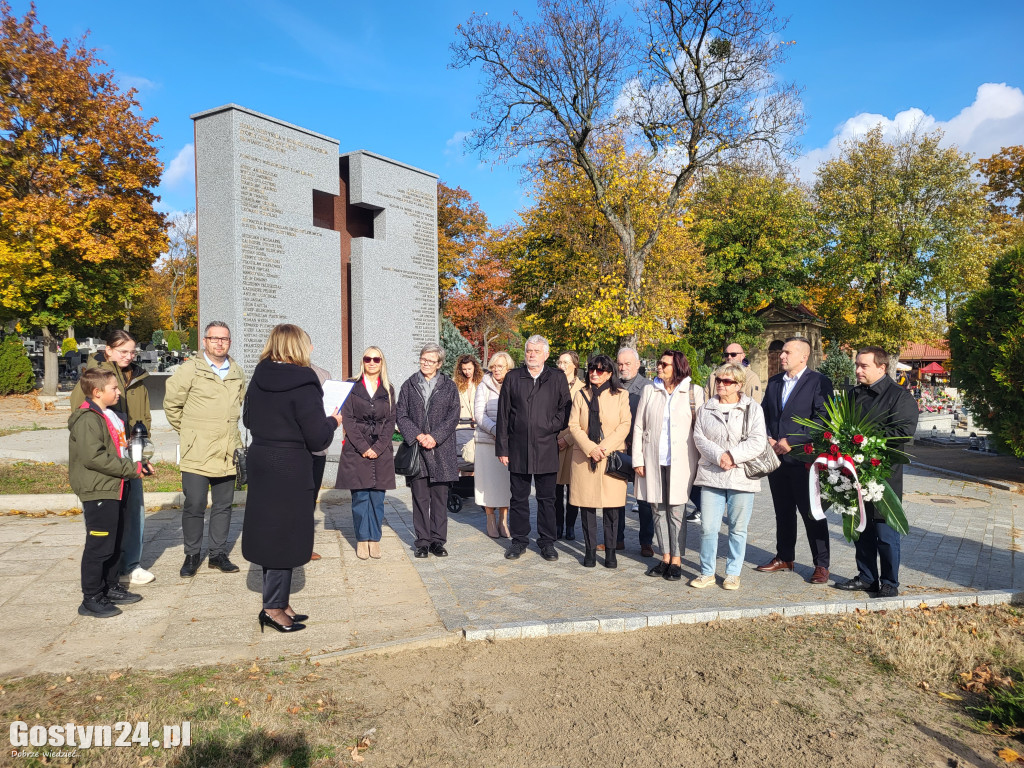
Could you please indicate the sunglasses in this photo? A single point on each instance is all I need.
(369, 359)
(598, 369)
(726, 382)
(733, 354)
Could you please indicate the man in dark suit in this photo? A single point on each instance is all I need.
(796, 392)
(894, 409)
(533, 408)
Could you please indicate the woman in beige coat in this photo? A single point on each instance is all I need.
(665, 457)
(599, 424)
(565, 512)
(491, 480)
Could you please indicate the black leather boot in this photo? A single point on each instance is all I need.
(609, 559)
(590, 558)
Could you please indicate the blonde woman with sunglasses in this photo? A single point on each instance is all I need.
(367, 463)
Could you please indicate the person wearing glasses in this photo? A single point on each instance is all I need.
(752, 386)
(566, 512)
(491, 481)
(366, 466)
(665, 457)
(428, 413)
(133, 402)
(730, 430)
(203, 403)
(599, 423)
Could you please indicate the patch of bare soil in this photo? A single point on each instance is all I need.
(18, 412)
(860, 690)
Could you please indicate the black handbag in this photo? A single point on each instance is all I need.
(241, 455)
(407, 459)
(619, 464)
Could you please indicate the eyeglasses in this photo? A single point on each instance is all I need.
(663, 364)
(725, 382)
(124, 352)
(218, 339)
(429, 362)
(369, 359)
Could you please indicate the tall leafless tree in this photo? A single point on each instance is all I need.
(688, 83)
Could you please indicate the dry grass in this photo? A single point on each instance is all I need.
(48, 477)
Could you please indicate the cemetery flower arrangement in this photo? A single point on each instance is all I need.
(851, 460)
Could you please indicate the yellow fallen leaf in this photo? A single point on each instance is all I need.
(1008, 755)
(951, 696)
(254, 668)
(356, 757)
(115, 675)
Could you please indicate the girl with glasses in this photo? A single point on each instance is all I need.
(366, 466)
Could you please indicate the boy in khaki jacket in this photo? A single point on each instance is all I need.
(97, 469)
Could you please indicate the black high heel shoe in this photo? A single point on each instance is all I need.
(265, 620)
(298, 617)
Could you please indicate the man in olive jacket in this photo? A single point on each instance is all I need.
(203, 404)
(533, 408)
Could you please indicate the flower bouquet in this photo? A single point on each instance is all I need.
(857, 459)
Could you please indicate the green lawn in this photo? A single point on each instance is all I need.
(47, 477)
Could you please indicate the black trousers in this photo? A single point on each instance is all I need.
(611, 516)
(222, 493)
(565, 513)
(429, 511)
(790, 494)
(519, 508)
(277, 587)
(104, 529)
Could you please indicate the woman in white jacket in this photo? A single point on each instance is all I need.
(491, 481)
(665, 457)
(724, 444)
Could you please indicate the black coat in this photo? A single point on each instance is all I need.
(439, 464)
(530, 416)
(284, 411)
(807, 400)
(894, 409)
(369, 423)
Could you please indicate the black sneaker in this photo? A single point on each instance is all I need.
(515, 551)
(548, 552)
(694, 517)
(221, 563)
(98, 607)
(887, 590)
(189, 567)
(118, 595)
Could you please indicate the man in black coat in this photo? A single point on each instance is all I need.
(894, 409)
(796, 392)
(532, 409)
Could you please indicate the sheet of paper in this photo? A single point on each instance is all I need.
(335, 393)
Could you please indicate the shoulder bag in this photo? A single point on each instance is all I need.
(765, 462)
(618, 464)
(408, 461)
(240, 456)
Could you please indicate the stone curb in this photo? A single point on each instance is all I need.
(973, 478)
(434, 640)
(630, 622)
(59, 502)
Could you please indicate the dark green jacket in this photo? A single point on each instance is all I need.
(95, 469)
(134, 396)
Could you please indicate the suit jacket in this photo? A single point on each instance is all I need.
(807, 400)
(530, 416)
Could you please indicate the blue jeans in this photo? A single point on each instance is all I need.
(367, 513)
(878, 542)
(715, 503)
(134, 526)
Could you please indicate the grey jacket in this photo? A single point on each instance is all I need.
(718, 431)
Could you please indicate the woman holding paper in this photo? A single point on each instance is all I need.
(367, 463)
(284, 410)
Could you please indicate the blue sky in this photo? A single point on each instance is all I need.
(375, 75)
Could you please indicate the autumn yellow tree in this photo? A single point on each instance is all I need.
(1003, 173)
(568, 268)
(78, 230)
(462, 232)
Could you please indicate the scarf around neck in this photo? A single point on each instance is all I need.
(594, 431)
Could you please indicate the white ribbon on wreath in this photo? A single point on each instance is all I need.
(841, 464)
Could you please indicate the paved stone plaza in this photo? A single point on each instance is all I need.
(963, 546)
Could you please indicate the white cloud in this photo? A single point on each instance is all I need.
(138, 83)
(182, 168)
(453, 147)
(994, 120)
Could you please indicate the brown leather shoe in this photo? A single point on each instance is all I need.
(600, 547)
(314, 556)
(774, 565)
(646, 552)
(820, 575)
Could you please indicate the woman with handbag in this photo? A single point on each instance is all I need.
(566, 513)
(599, 423)
(665, 457)
(284, 411)
(730, 431)
(427, 415)
(468, 374)
(366, 466)
(491, 479)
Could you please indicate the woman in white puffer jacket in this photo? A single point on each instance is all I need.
(726, 491)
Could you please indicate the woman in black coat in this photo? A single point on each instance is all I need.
(428, 413)
(367, 463)
(285, 413)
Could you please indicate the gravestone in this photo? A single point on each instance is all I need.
(289, 231)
